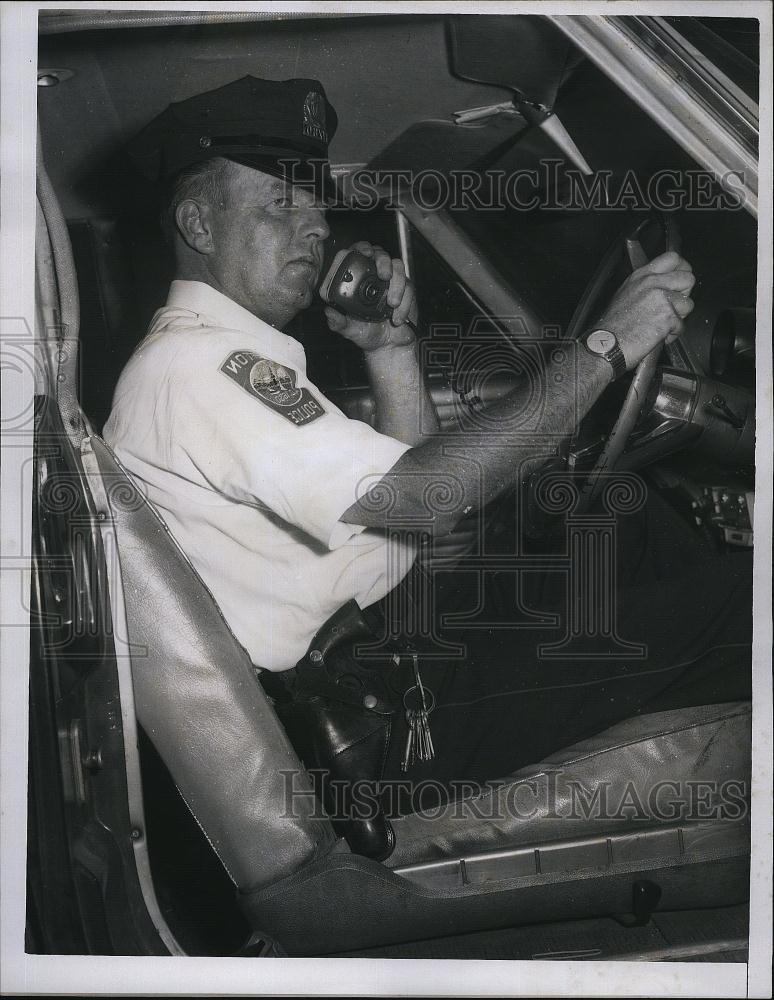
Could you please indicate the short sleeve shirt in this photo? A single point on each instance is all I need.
(252, 467)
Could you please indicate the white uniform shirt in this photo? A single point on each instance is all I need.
(251, 467)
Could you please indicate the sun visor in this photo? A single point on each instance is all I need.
(524, 53)
(444, 146)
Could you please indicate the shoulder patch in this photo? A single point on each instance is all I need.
(274, 384)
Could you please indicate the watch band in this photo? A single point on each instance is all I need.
(614, 356)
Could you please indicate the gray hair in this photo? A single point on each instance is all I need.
(206, 181)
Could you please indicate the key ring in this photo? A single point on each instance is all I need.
(429, 698)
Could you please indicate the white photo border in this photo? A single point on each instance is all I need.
(24, 974)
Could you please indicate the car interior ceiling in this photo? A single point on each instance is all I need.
(121, 79)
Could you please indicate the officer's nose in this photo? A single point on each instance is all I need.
(314, 226)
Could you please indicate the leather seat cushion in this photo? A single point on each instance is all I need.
(668, 767)
(200, 703)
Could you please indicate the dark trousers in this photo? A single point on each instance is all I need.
(504, 698)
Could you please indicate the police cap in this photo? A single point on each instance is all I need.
(281, 127)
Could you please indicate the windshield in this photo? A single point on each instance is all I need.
(548, 241)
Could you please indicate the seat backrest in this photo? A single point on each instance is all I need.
(198, 698)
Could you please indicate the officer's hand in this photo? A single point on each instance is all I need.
(400, 298)
(650, 306)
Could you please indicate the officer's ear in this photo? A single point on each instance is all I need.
(192, 220)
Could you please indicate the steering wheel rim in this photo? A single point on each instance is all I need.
(611, 258)
(643, 377)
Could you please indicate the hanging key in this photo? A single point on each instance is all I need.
(411, 740)
(419, 742)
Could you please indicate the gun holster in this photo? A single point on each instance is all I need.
(339, 717)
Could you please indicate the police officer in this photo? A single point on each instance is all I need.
(277, 497)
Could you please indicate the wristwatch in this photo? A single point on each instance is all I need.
(604, 344)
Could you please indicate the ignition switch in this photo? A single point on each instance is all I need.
(720, 408)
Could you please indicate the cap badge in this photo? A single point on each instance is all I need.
(314, 117)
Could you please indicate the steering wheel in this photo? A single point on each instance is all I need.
(629, 246)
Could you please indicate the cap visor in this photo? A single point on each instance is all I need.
(313, 175)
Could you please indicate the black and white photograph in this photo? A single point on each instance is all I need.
(386, 499)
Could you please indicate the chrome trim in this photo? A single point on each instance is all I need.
(466, 260)
(692, 69)
(676, 396)
(648, 79)
(126, 695)
(404, 241)
(632, 846)
(61, 22)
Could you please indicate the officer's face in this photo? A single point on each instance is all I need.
(268, 245)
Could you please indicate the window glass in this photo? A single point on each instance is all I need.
(730, 43)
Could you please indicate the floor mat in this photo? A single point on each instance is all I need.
(717, 935)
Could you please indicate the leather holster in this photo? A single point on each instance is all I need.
(338, 717)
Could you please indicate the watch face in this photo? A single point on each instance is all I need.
(601, 341)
